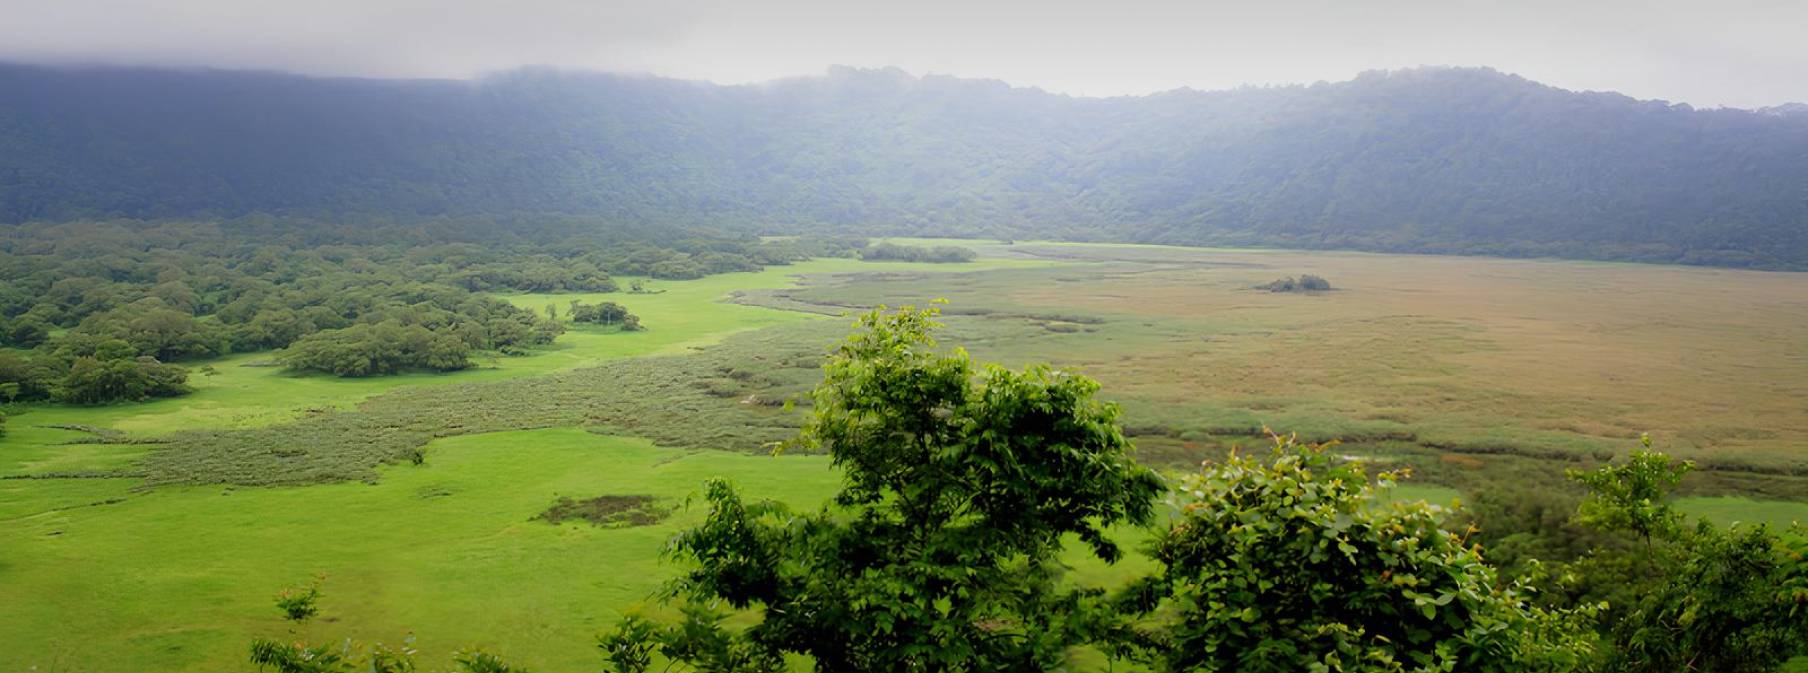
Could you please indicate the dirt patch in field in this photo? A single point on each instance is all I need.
(608, 511)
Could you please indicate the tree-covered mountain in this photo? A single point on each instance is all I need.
(1436, 160)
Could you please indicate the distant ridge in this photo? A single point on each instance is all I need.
(1786, 110)
(1445, 160)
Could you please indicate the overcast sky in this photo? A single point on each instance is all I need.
(1741, 53)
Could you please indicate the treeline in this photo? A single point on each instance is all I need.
(98, 311)
(893, 252)
(1430, 160)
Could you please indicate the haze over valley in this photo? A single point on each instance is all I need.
(348, 337)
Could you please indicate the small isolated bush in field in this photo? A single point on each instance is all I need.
(1304, 283)
(484, 662)
(608, 314)
(298, 658)
(300, 603)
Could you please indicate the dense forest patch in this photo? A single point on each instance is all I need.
(108, 309)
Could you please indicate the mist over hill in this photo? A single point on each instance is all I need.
(1429, 160)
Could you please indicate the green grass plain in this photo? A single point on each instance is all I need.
(179, 578)
(1576, 358)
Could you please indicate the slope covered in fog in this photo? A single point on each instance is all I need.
(1440, 160)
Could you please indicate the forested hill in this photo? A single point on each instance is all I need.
(1441, 160)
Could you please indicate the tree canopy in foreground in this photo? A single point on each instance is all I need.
(960, 484)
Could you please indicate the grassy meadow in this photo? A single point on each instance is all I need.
(1457, 352)
(157, 541)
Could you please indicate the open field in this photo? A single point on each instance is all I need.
(1464, 353)
(180, 578)
(1463, 367)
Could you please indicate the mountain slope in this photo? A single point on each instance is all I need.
(1439, 160)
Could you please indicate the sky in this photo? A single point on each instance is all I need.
(1736, 53)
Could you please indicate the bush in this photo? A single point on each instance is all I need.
(24, 332)
(1295, 562)
(30, 379)
(385, 348)
(1304, 283)
(299, 603)
(92, 380)
(607, 313)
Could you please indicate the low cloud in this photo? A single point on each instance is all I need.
(1742, 53)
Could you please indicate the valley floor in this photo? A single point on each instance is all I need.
(122, 555)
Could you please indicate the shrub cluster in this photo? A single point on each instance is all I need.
(90, 371)
(181, 291)
(608, 314)
(1304, 283)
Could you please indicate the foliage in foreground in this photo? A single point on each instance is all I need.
(939, 551)
(958, 487)
(1702, 597)
(1295, 562)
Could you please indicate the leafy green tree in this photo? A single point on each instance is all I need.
(25, 332)
(1295, 562)
(30, 379)
(385, 348)
(1633, 495)
(273, 328)
(607, 313)
(160, 332)
(938, 553)
(1703, 598)
(112, 377)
